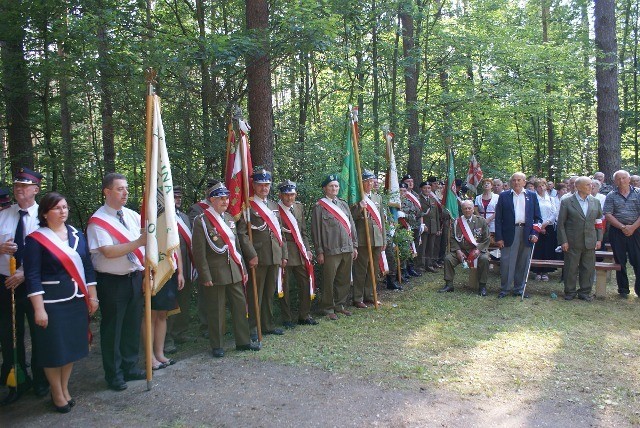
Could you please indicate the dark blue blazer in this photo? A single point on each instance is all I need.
(506, 217)
(44, 273)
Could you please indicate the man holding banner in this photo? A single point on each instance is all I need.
(469, 242)
(115, 243)
(371, 207)
(299, 264)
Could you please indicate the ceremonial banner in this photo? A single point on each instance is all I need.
(391, 180)
(451, 201)
(474, 175)
(161, 225)
(238, 170)
(349, 176)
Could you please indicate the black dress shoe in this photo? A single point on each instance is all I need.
(585, 297)
(135, 375)
(502, 294)
(412, 272)
(289, 325)
(624, 295)
(483, 292)
(72, 402)
(62, 409)
(523, 295)
(430, 269)
(217, 353)
(117, 385)
(11, 397)
(569, 297)
(308, 321)
(446, 289)
(248, 347)
(41, 390)
(394, 286)
(276, 331)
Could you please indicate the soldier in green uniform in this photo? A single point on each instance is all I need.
(335, 240)
(294, 229)
(431, 221)
(468, 243)
(412, 221)
(218, 259)
(362, 281)
(267, 252)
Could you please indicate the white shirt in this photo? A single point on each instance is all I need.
(548, 208)
(519, 205)
(601, 198)
(584, 203)
(8, 223)
(98, 237)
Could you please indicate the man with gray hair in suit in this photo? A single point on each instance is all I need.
(580, 235)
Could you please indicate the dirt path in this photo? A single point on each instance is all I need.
(238, 391)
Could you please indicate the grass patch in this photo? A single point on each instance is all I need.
(544, 347)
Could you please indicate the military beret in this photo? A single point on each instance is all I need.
(406, 177)
(424, 183)
(177, 190)
(218, 190)
(287, 186)
(432, 179)
(28, 176)
(329, 178)
(404, 185)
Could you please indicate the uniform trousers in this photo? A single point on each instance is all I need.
(304, 293)
(336, 280)
(451, 261)
(626, 248)
(24, 309)
(362, 282)
(121, 305)
(216, 297)
(266, 277)
(514, 261)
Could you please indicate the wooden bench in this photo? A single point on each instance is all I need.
(602, 268)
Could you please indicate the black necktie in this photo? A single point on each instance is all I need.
(19, 238)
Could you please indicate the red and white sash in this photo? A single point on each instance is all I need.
(468, 236)
(185, 233)
(339, 215)
(290, 222)
(67, 256)
(227, 236)
(413, 199)
(118, 231)
(435, 198)
(373, 210)
(383, 263)
(268, 216)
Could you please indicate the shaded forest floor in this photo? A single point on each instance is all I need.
(423, 359)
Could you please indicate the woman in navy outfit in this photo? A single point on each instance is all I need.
(61, 309)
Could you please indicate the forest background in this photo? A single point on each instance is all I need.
(514, 82)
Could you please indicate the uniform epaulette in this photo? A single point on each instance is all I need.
(297, 202)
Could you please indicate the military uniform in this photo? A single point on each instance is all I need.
(362, 281)
(331, 239)
(296, 266)
(480, 231)
(270, 253)
(214, 263)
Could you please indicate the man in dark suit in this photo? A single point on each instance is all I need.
(516, 213)
(580, 235)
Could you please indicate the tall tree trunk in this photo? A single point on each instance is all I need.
(607, 87)
(304, 97)
(414, 165)
(586, 86)
(65, 118)
(376, 89)
(551, 165)
(259, 85)
(106, 109)
(205, 87)
(15, 81)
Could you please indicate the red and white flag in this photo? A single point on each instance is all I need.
(238, 170)
(474, 175)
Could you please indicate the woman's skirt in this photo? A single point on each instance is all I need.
(167, 297)
(546, 249)
(65, 339)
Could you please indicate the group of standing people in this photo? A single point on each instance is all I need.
(61, 277)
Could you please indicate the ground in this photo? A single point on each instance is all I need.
(539, 363)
